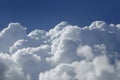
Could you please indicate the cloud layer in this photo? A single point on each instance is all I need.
(65, 52)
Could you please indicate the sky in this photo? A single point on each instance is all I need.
(85, 48)
(45, 14)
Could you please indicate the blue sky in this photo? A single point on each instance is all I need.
(44, 14)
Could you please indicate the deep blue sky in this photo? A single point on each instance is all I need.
(44, 14)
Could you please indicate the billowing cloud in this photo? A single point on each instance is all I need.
(65, 52)
(9, 70)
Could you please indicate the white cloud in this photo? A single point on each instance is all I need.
(11, 34)
(85, 51)
(65, 52)
(98, 69)
(9, 70)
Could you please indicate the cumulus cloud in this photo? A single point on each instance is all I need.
(9, 70)
(65, 52)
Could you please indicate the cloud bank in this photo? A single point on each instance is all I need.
(65, 52)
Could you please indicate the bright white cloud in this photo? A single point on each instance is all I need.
(11, 34)
(65, 52)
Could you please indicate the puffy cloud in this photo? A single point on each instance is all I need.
(11, 34)
(9, 70)
(61, 72)
(85, 51)
(65, 52)
(32, 60)
(98, 69)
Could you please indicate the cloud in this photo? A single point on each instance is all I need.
(11, 34)
(98, 69)
(9, 70)
(65, 52)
